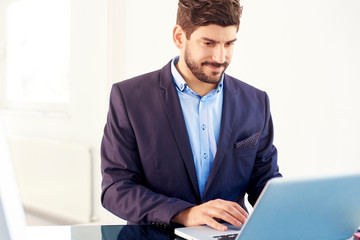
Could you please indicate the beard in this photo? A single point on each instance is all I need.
(198, 71)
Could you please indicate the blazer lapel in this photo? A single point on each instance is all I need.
(227, 122)
(173, 109)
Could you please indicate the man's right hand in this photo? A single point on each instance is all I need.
(208, 212)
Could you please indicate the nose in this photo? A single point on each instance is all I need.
(219, 54)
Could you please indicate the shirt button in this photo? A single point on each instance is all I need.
(203, 127)
(205, 155)
(181, 86)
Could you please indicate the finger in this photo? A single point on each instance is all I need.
(232, 208)
(236, 206)
(235, 214)
(215, 224)
(221, 214)
(240, 209)
(239, 213)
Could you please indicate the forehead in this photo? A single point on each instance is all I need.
(215, 32)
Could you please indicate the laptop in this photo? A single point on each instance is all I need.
(12, 216)
(325, 208)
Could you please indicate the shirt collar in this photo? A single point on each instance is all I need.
(180, 83)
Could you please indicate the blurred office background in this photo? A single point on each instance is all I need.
(59, 58)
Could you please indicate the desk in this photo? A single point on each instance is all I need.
(97, 232)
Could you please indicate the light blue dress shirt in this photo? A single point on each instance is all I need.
(202, 118)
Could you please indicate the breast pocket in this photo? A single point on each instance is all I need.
(248, 145)
(245, 151)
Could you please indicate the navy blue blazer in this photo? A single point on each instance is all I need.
(146, 159)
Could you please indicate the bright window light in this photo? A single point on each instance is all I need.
(37, 51)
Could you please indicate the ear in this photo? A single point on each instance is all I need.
(178, 36)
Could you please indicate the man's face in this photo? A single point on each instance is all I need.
(208, 52)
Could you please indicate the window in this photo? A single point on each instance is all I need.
(36, 54)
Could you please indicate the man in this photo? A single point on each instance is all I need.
(182, 145)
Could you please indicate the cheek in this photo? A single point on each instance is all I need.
(201, 56)
(199, 53)
(206, 54)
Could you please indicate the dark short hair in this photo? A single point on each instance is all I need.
(192, 14)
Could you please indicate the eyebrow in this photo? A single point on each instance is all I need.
(211, 40)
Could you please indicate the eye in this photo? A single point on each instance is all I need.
(229, 44)
(208, 43)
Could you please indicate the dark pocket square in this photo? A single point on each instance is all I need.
(248, 142)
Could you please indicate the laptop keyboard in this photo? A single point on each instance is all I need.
(226, 237)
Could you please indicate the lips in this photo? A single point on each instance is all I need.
(215, 66)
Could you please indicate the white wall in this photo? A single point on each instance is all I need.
(305, 54)
(149, 44)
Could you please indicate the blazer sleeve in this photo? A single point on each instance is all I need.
(124, 191)
(265, 166)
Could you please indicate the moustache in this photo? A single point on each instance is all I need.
(215, 64)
